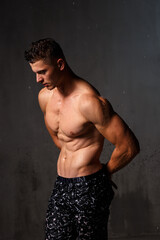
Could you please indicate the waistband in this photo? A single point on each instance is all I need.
(84, 178)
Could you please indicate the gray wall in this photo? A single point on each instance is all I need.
(115, 45)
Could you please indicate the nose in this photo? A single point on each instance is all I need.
(39, 78)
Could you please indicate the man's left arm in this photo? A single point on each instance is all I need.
(100, 112)
(126, 144)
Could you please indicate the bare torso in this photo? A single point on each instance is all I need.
(80, 142)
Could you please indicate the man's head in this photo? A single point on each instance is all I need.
(47, 60)
(46, 49)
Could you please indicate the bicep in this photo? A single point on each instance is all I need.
(115, 130)
(99, 111)
(119, 134)
(43, 99)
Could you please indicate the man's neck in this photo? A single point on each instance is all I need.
(67, 82)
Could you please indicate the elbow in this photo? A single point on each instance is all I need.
(134, 149)
(137, 147)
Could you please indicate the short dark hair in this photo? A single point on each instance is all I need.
(45, 49)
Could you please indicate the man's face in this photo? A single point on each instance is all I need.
(46, 73)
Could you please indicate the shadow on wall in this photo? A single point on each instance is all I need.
(130, 215)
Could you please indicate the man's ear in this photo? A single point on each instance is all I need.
(61, 64)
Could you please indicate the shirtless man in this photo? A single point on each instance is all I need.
(78, 120)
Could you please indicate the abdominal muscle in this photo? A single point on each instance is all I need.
(79, 160)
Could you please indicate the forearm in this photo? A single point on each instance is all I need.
(53, 136)
(121, 157)
(58, 145)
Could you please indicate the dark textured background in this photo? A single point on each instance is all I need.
(115, 45)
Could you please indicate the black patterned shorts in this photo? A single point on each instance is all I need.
(79, 208)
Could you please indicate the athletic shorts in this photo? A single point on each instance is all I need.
(79, 207)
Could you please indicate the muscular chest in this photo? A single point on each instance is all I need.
(63, 117)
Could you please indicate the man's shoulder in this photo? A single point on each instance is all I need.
(90, 93)
(91, 99)
(44, 94)
(87, 87)
(92, 104)
(43, 97)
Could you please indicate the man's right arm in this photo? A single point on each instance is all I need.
(43, 99)
(53, 135)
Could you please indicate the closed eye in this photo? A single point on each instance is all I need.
(42, 72)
